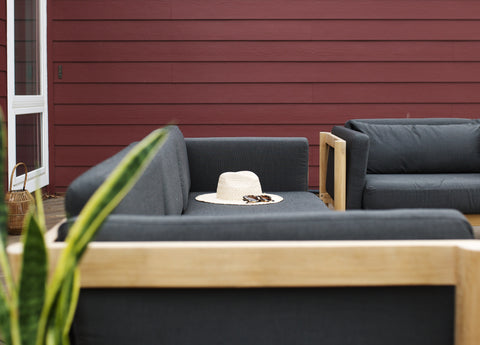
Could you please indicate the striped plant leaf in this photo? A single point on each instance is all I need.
(3, 209)
(63, 312)
(104, 200)
(33, 279)
(9, 330)
(71, 306)
(5, 311)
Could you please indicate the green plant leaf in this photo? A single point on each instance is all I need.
(72, 304)
(104, 200)
(33, 279)
(114, 189)
(5, 333)
(3, 222)
(64, 309)
(3, 209)
(8, 294)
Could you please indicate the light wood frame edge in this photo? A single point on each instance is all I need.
(340, 173)
(286, 264)
(474, 219)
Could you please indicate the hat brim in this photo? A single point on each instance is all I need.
(212, 199)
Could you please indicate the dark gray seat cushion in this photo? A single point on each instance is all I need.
(162, 189)
(422, 148)
(292, 202)
(388, 191)
(280, 163)
(351, 225)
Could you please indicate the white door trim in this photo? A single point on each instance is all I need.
(22, 105)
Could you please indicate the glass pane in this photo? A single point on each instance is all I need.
(27, 52)
(29, 141)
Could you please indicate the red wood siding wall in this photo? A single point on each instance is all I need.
(252, 68)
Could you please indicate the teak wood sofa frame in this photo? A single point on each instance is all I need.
(474, 219)
(328, 140)
(286, 264)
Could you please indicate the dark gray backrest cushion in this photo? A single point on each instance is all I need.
(410, 121)
(280, 163)
(301, 226)
(161, 190)
(422, 148)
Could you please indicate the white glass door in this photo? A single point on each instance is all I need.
(27, 92)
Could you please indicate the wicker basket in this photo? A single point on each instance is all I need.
(18, 202)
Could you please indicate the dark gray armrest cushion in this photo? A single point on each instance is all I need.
(83, 187)
(280, 163)
(162, 189)
(351, 225)
(357, 159)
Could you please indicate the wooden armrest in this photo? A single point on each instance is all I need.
(257, 264)
(288, 264)
(337, 201)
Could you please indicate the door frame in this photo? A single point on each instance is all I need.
(22, 105)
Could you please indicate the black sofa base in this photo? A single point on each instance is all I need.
(281, 316)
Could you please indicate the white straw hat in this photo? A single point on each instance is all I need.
(232, 187)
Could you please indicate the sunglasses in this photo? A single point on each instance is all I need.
(251, 199)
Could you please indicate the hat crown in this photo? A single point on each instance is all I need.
(235, 185)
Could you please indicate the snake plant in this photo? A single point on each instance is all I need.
(37, 310)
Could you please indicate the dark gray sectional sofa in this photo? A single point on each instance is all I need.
(163, 201)
(413, 163)
(161, 207)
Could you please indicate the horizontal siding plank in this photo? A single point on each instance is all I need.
(111, 9)
(266, 30)
(83, 156)
(266, 51)
(183, 93)
(305, 9)
(3, 58)
(3, 31)
(146, 72)
(124, 135)
(65, 175)
(266, 9)
(313, 177)
(182, 30)
(268, 93)
(266, 114)
(3, 83)
(397, 93)
(3, 100)
(313, 153)
(268, 72)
